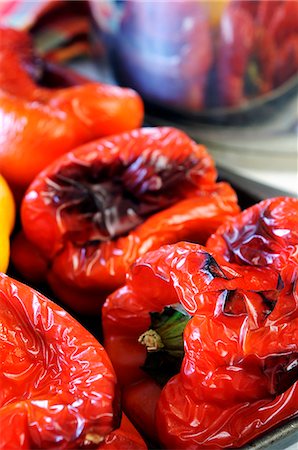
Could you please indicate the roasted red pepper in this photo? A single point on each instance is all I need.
(229, 389)
(57, 382)
(39, 124)
(264, 235)
(98, 208)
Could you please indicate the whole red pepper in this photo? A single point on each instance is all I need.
(40, 123)
(97, 209)
(58, 387)
(239, 361)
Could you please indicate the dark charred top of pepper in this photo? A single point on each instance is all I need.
(112, 199)
(265, 234)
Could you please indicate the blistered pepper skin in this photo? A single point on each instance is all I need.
(234, 310)
(191, 428)
(39, 124)
(265, 234)
(97, 209)
(57, 382)
(254, 392)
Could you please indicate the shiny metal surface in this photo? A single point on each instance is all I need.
(259, 191)
(284, 437)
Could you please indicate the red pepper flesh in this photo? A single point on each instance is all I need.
(57, 382)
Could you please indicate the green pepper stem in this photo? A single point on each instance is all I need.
(164, 343)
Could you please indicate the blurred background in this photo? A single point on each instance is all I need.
(226, 71)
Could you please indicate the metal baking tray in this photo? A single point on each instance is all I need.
(283, 437)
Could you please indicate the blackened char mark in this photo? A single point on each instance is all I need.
(269, 299)
(212, 268)
(113, 199)
(234, 303)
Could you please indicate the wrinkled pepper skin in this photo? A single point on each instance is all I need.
(58, 387)
(97, 209)
(7, 219)
(40, 124)
(265, 234)
(239, 372)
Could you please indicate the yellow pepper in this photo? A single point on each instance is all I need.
(7, 219)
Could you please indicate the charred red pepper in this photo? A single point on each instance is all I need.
(57, 382)
(264, 235)
(233, 370)
(97, 209)
(43, 115)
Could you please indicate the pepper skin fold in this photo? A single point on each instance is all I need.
(266, 234)
(94, 211)
(58, 387)
(40, 123)
(214, 343)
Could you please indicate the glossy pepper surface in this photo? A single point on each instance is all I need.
(265, 234)
(38, 124)
(97, 209)
(7, 218)
(239, 350)
(57, 382)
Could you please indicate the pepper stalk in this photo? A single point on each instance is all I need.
(164, 343)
